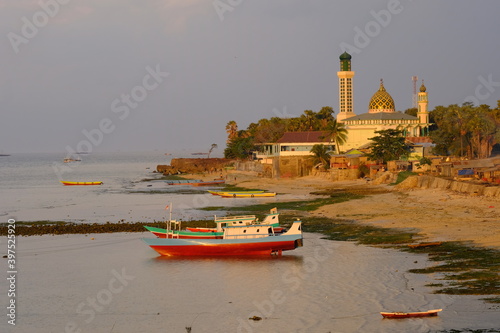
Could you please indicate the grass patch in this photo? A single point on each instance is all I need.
(403, 175)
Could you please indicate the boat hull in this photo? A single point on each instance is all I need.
(80, 183)
(399, 315)
(247, 195)
(224, 247)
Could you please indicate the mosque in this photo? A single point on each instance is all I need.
(381, 114)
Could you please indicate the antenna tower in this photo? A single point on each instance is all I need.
(414, 79)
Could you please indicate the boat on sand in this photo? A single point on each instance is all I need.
(430, 313)
(247, 195)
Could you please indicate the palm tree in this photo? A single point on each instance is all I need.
(231, 130)
(337, 132)
(214, 146)
(321, 154)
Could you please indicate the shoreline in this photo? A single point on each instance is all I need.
(436, 214)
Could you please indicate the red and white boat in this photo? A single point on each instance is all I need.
(236, 241)
(430, 313)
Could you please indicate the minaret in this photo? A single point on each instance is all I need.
(422, 114)
(345, 88)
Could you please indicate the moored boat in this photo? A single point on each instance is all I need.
(430, 313)
(420, 245)
(271, 219)
(80, 183)
(237, 240)
(183, 181)
(247, 195)
(209, 182)
(235, 192)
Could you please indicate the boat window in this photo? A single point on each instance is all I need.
(258, 230)
(244, 231)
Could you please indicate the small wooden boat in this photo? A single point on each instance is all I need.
(67, 160)
(234, 192)
(210, 182)
(236, 241)
(207, 233)
(419, 245)
(430, 313)
(247, 195)
(80, 183)
(183, 181)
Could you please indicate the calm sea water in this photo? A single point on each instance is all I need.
(30, 189)
(70, 281)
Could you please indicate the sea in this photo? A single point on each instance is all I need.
(116, 283)
(30, 189)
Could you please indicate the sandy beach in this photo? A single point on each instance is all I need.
(438, 215)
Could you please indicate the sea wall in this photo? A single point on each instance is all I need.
(473, 189)
(194, 165)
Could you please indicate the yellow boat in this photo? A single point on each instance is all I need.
(81, 183)
(246, 195)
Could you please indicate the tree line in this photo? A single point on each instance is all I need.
(464, 131)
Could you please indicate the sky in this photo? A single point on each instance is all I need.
(127, 75)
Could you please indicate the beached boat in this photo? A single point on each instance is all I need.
(429, 313)
(236, 241)
(209, 182)
(247, 195)
(420, 245)
(67, 160)
(80, 183)
(183, 181)
(234, 192)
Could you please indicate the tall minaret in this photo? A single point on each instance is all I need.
(345, 87)
(422, 114)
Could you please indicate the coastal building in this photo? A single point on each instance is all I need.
(381, 115)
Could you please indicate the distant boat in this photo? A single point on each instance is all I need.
(419, 245)
(209, 182)
(247, 195)
(67, 160)
(235, 192)
(80, 183)
(237, 240)
(4, 155)
(199, 153)
(430, 313)
(183, 181)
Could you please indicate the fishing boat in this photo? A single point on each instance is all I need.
(164, 233)
(234, 192)
(247, 195)
(183, 181)
(209, 182)
(430, 313)
(67, 160)
(221, 222)
(80, 183)
(236, 241)
(420, 245)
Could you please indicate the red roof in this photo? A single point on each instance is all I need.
(419, 139)
(302, 137)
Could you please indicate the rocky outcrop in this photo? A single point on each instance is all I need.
(473, 189)
(193, 165)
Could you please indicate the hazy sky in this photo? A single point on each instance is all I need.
(128, 75)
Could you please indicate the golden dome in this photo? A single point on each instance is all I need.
(381, 101)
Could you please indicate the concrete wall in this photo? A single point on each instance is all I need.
(452, 185)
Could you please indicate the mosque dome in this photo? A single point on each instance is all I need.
(345, 56)
(381, 101)
(422, 87)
